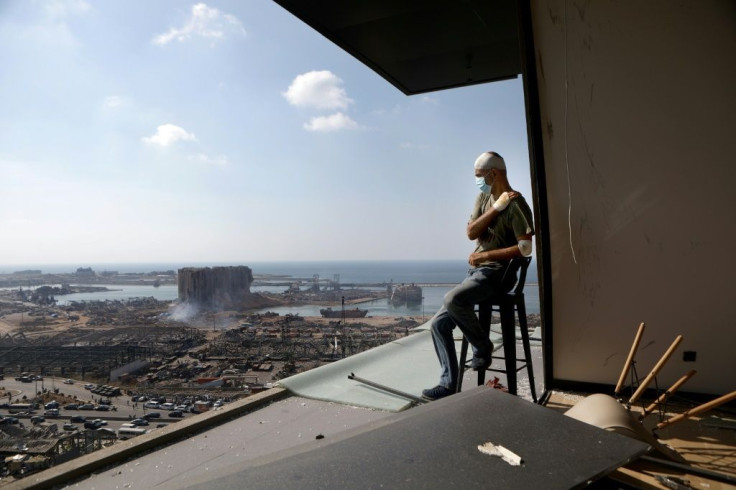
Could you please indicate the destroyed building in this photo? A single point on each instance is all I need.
(215, 287)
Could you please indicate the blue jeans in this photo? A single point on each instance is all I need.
(459, 310)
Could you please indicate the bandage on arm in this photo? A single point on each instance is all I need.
(525, 246)
(502, 202)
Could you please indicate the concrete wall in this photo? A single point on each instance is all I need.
(215, 287)
(638, 108)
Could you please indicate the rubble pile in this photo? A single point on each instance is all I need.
(135, 311)
(292, 338)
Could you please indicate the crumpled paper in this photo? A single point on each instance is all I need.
(501, 452)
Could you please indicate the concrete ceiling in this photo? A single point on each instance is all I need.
(421, 45)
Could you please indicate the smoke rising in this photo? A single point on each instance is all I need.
(183, 312)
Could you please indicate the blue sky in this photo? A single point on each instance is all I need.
(168, 131)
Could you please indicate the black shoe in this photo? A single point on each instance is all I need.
(479, 363)
(436, 393)
(482, 362)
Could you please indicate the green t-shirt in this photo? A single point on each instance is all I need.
(514, 221)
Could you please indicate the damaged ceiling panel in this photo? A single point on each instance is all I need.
(421, 46)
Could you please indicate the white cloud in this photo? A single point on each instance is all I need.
(205, 21)
(320, 89)
(167, 134)
(430, 100)
(218, 161)
(334, 122)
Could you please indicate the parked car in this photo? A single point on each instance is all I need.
(107, 432)
(167, 406)
(152, 415)
(71, 406)
(10, 420)
(86, 406)
(37, 419)
(152, 404)
(78, 418)
(53, 404)
(139, 422)
(91, 424)
(176, 414)
(68, 381)
(53, 413)
(100, 422)
(69, 426)
(102, 408)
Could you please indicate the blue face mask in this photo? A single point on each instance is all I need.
(481, 183)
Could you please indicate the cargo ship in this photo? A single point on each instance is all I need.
(354, 313)
(406, 294)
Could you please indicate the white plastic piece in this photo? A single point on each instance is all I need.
(499, 451)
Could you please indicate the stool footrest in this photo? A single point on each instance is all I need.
(496, 370)
(510, 372)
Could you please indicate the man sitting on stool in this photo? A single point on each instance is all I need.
(502, 225)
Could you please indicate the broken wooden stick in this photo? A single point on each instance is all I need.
(660, 364)
(629, 360)
(698, 410)
(664, 396)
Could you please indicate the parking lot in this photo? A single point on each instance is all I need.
(97, 407)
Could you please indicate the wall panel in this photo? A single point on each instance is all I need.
(638, 110)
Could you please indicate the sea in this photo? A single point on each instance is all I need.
(436, 277)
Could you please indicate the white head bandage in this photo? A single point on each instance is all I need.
(525, 246)
(488, 160)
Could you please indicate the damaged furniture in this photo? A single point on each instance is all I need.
(506, 305)
(614, 414)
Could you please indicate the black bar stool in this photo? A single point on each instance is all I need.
(505, 305)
